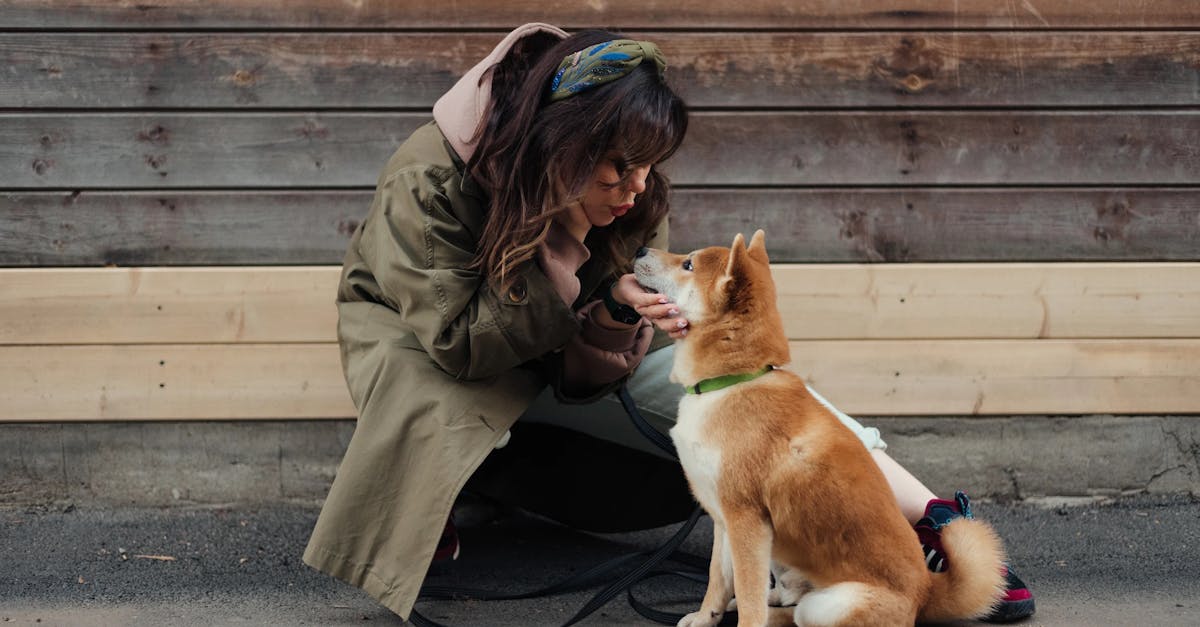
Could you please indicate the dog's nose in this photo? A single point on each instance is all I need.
(641, 252)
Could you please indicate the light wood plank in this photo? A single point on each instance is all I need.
(795, 70)
(295, 304)
(172, 382)
(804, 225)
(765, 14)
(1020, 300)
(998, 377)
(170, 150)
(164, 305)
(863, 378)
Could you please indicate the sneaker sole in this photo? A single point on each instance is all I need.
(1011, 611)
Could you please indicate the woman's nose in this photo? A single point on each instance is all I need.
(637, 180)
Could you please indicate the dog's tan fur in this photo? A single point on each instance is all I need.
(784, 480)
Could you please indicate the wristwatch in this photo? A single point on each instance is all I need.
(619, 312)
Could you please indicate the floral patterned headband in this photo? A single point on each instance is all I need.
(600, 64)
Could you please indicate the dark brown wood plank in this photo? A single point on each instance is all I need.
(199, 150)
(940, 148)
(910, 225)
(168, 150)
(821, 225)
(767, 14)
(234, 69)
(178, 228)
(349, 70)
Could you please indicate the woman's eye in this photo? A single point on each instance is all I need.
(687, 265)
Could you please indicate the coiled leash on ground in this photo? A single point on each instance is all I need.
(697, 568)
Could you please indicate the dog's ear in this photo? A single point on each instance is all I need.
(740, 254)
(737, 254)
(734, 281)
(758, 247)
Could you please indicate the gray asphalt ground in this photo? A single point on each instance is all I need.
(1134, 561)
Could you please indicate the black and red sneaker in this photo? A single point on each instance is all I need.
(1018, 600)
(447, 548)
(1016, 604)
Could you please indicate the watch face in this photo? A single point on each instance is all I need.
(626, 314)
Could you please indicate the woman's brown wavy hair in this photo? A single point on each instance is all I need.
(533, 156)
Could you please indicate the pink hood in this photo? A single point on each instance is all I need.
(459, 110)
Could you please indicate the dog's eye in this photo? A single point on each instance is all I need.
(687, 264)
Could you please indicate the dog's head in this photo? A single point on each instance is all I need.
(727, 294)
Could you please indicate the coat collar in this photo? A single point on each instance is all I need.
(467, 185)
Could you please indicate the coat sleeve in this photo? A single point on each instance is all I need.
(595, 361)
(419, 252)
(597, 356)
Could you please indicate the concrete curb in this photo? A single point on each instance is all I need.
(1049, 456)
(187, 463)
(170, 463)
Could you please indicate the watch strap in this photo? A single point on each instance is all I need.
(620, 312)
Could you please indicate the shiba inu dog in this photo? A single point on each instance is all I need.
(784, 481)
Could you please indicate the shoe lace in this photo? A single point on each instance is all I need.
(940, 513)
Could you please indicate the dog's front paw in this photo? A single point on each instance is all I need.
(703, 618)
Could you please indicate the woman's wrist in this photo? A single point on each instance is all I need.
(618, 313)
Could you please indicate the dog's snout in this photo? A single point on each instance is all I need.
(641, 252)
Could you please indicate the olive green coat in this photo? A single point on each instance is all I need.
(438, 363)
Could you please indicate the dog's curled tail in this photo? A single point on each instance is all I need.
(974, 583)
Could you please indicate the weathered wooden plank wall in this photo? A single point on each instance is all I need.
(723, 148)
(764, 69)
(292, 304)
(942, 151)
(904, 224)
(705, 14)
(865, 377)
(938, 131)
(250, 133)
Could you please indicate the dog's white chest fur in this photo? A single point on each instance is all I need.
(699, 453)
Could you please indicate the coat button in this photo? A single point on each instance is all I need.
(517, 292)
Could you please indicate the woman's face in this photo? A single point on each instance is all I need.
(607, 197)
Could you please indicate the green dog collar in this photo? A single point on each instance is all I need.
(717, 383)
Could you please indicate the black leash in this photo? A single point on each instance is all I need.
(656, 437)
(605, 571)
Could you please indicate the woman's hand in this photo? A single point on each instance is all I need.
(575, 220)
(655, 307)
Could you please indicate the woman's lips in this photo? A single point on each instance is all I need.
(621, 210)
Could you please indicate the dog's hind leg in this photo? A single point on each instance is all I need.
(790, 585)
(720, 583)
(854, 604)
(749, 535)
